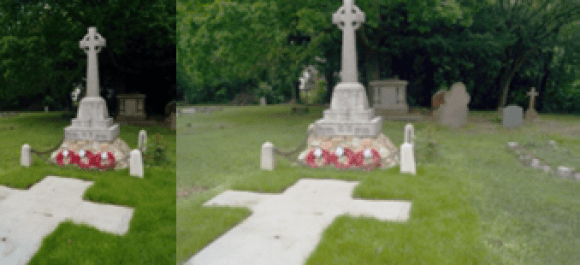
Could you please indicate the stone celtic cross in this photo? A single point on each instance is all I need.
(532, 94)
(92, 44)
(348, 18)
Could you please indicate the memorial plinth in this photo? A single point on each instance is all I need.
(92, 121)
(349, 114)
(349, 132)
(93, 130)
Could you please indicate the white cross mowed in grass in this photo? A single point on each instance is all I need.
(285, 228)
(26, 216)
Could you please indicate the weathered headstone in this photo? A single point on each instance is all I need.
(93, 121)
(407, 152)
(454, 111)
(142, 140)
(512, 116)
(285, 228)
(136, 164)
(531, 113)
(268, 161)
(45, 108)
(349, 113)
(27, 216)
(437, 100)
(263, 101)
(25, 157)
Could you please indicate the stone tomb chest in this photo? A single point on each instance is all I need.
(390, 95)
(131, 107)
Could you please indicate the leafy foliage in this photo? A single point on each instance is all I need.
(41, 56)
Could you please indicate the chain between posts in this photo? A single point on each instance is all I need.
(42, 153)
(289, 154)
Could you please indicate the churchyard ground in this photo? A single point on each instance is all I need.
(151, 235)
(473, 202)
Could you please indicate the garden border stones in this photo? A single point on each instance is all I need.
(528, 159)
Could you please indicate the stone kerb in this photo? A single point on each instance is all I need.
(528, 159)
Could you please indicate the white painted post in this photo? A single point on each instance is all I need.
(136, 164)
(407, 154)
(268, 161)
(25, 158)
(142, 140)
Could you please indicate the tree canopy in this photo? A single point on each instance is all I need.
(499, 49)
(41, 58)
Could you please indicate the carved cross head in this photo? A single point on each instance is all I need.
(93, 41)
(348, 14)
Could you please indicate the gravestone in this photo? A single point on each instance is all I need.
(531, 113)
(390, 95)
(454, 111)
(92, 121)
(407, 152)
(512, 116)
(349, 113)
(27, 216)
(131, 107)
(142, 140)
(263, 101)
(45, 108)
(437, 100)
(285, 228)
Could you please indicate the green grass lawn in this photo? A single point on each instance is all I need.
(473, 203)
(151, 235)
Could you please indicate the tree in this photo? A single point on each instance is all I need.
(41, 54)
(533, 27)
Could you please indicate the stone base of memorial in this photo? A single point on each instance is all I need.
(92, 155)
(350, 152)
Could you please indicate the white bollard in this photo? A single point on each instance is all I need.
(136, 164)
(268, 161)
(407, 153)
(142, 140)
(25, 158)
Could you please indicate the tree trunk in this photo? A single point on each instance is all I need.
(544, 81)
(509, 74)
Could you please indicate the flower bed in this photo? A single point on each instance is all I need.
(86, 159)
